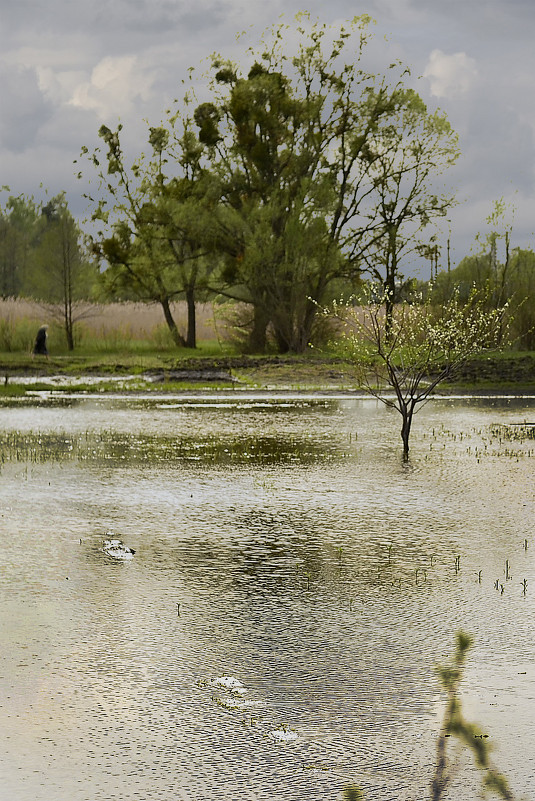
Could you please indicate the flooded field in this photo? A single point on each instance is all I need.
(293, 586)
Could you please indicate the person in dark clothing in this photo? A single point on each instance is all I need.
(40, 347)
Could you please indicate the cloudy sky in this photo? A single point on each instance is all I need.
(67, 66)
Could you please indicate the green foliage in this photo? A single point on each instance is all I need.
(21, 224)
(154, 244)
(301, 171)
(308, 149)
(62, 271)
(520, 291)
(207, 118)
(17, 336)
(63, 274)
(472, 271)
(415, 147)
(506, 273)
(513, 285)
(42, 256)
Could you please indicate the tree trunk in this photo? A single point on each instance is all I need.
(191, 335)
(69, 333)
(258, 335)
(69, 325)
(294, 336)
(283, 336)
(390, 281)
(406, 430)
(178, 339)
(307, 326)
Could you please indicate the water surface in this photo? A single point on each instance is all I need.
(312, 567)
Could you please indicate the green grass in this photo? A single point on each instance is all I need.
(12, 390)
(138, 357)
(314, 370)
(19, 390)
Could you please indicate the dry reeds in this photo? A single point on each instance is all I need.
(113, 323)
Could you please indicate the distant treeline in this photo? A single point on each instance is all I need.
(42, 253)
(510, 281)
(42, 256)
(45, 257)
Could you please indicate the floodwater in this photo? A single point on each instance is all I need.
(294, 586)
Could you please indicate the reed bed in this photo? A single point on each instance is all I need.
(113, 325)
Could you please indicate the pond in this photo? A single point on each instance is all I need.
(294, 585)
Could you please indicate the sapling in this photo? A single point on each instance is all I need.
(402, 360)
(455, 725)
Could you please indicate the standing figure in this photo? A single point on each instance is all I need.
(40, 347)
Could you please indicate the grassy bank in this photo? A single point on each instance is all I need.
(102, 328)
(126, 345)
(216, 366)
(130, 339)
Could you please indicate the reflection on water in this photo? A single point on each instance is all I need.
(319, 580)
(110, 446)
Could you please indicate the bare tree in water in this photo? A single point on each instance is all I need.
(402, 361)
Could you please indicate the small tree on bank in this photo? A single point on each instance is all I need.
(63, 276)
(422, 346)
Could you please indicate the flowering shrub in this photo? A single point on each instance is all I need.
(417, 347)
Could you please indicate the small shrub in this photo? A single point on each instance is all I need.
(161, 338)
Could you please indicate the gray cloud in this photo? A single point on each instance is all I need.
(68, 66)
(114, 27)
(24, 110)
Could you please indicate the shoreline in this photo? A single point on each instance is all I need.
(504, 375)
(94, 386)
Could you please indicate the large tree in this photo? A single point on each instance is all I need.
(273, 200)
(154, 218)
(313, 154)
(295, 177)
(415, 148)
